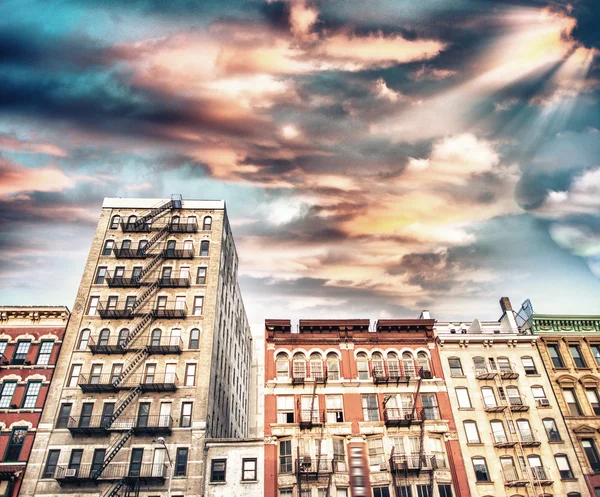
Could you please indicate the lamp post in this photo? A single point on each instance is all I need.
(161, 441)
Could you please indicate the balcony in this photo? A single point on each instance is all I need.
(164, 344)
(394, 416)
(168, 282)
(165, 382)
(312, 371)
(517, 403)
(312, 467)
(135, 227)
(151, 425)
(147, 473)
(126, 279)
(529, 440)
(102, 344)
(485, 372)
(108, 310)
(170, 310)
(308, 418)
(187, 227)
(178, 253)
(130, 252)
(98, 383)
(507, 372)
(539, 476)
(88, 425)
(416, 463)
(489, 407)
(502, 441)
(84, 473)
(430, 413)
(512, 478)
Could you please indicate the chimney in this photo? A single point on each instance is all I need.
(508, 321)
(425, 314)
(505, 304)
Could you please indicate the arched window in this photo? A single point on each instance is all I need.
(175, 221)
(204, 244)
(115, 221)
(423, 361)
(191, 222)
(155, 337)
(504, 365)
(171, 244)
(551, 430)
(194, 338)
(362, 364)
(513, 396)
(480, 367)
(498, 431)
(132, 219)
(471, 431)
(489, 398)
(283, 366)
(377, 365)
(207, 224)
(104, 336)
(393, 365)
(408, 364)
(316, 366)
(529, 365)
(84, 336)
(299, 364)
(525, 431)
(123, 335)
(333, 367)
(535, 464)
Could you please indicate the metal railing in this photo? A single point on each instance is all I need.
(104, 382)
(512, 477)
(111, 344)
(399, 416)
(135, 227)
(305, 371)
(149, 424)
(172, 282)
(311, 416)
(538, 473)
(170, 310)
(158, 382)
(114, 471)
(130, 252)
(117, 310)
(163, 344)
(426, 461)
(178, 252)
(126, 279)
(399, 370)
(314, 464)
(183, 227)
(99, 422)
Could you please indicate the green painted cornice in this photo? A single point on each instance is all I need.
(559, 323)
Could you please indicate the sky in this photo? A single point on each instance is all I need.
(377, 158)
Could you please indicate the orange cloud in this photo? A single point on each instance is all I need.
(15, 179)
(13, 144)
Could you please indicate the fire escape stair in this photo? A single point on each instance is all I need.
(131, 365)
(159, 211)
(113, 450)
(115, 489)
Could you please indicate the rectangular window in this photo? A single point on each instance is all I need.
(577, 357)
(529, 365)
(571, 400)
(190, 375)
(74, 377)
(8, 390)
(285, 409)
(51, 463)
(108, 246)
(481, 470)
(198, 303)
(218, 468)
(249, 469)
(31, 394)
(45, 352)
(404, 491)
(93, 306)
(555, 356)
(3, 344)
(181, 461)
(20, 354)
(370, 407)
(335, 409)
(100, 275)
(63, 415)
(339, 455)
(455, 367)
(201, 276)
(381, 492)
(464, 401)
(592, 396)
(286, 492)
(186, 415)
(423, 491)
(15, 445)
(596, 353)
(589, 447)
(285, 456)
(551, 430)
(445, 490)
(564, 468)
(430, 407)
(471, 432)
(376, 451)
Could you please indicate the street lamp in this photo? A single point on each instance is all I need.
(161, 441)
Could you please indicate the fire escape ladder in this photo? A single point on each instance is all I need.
(135, 332)
(312, 401)
(392, 466)
(431, 479)
(157, 211)
(158, 235)
(131, 365)
(113, 450)
(150, 265)
(124, 402)
(299, 470)
(114, 490)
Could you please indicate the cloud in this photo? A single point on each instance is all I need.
(427, 73)
(13, 144)
(381, 90)
(17, 179)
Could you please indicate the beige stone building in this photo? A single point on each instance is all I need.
(156, 356)
(512, 434)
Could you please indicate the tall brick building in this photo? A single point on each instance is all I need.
(355, 410)
(156, 356)
(30, 342)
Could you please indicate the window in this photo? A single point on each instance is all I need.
(31, 394)
(529, 365)
(589, 447)
(282, 366)
(376, 451)
(93, 306)
(194, 339)
(44, 352)
(198, 303)
(557, 360)
(190, 375)
(333, 367)
(51, 463)
(571, 400)
(481, 470)
(103, 337)
(114, 224)
(577, 357)
(186, 415)
(445, 490)
(135, 462)
(285, 409)
(362, 364)
(564, 468)
(525, 430)
(249, 469)
(430, 407)
(385, 492)
(201, 276)
(597, 491)
(285, 456)
(339, 455)
(21, 352)
(596, 353)
(204, 244)
(464, 401)
(15, 444)
(207, 224)
(86, 414)
(286, 492)
(455, 367)
(592, 395)
(83, 339)
(3, 344)
(63, 415)
(108, 247)
(8, 390)
(74, 376)
(100, 275)
(335, 409)
(471, 432)
(181, 460)
(551, 430)
(370, 407)
(498, 432)
(489, 399)
(95, 373)
(423, 491)
(539, 396)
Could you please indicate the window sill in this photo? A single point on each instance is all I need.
(556, 441)
(568, 479)
(243, 482)
(458, 376)
(475, 444)
(489, 482)
(466, 408)
(533, 375)
(217, 483)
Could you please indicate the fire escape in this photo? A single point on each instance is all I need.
(124, 380)
(319, 469)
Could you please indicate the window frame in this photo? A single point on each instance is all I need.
(27, 395)
(6, 405)
(285, 458)
(487, 471)
(42, 354)
(246, 460)
(181, 461)
(557, 362)
(215, 476)
(204, 248)
(51, 464)
(468, 397)
(555, 429)
(184, 416)
(190, 366)
(453, 368)
(472, 423)
(578, 359)
(19, 358)
(532, 369)
(201, 278)
(569, 475)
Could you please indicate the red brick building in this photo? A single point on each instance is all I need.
(355, 410)
(30, 341)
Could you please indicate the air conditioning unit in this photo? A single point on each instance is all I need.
(14, 406)
(70, 473)
(426, 374)
(544, 402)
(383, 466)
